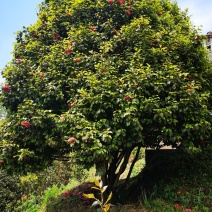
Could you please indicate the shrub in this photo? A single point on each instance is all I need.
(10, 192)
(183, 179)
(58, 173)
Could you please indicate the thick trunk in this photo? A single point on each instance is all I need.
(113, 170)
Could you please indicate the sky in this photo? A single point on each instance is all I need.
(14, 14)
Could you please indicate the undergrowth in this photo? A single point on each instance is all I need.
(181, 182)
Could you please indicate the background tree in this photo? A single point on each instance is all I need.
(94, 80)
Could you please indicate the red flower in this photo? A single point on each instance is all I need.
(121, 2)
(159, 13)
(41, 75)
(90, 185)
(77, 60)
(79, 193)
(127, 98)
(129, 13)
(68, 51)
(6, 88)
(56, 36)
(92, 28)
(189, 88)
(66, 194)
(114, 31)
(1, 162)
(188, 209)
(34, 35)
(26, 124)
(70, 44)
(178, 206)
(18, 60)
(71, 140)
(110, 1)
(190, 78)
(203, 141)
(70, 105)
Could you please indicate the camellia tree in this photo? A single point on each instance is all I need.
(91, 81)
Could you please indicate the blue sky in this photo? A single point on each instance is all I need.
(200, 12)
(18, 13)
(14, 14)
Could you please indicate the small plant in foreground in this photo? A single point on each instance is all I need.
(105, 206)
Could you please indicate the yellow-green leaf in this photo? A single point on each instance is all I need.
(109, 198)
(95, 188)
(97, 183)
(107, 207)
(89, 196)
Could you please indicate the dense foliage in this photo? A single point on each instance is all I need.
(10, 191)
(95, 79)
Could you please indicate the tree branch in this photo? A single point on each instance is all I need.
(123, 165)
(133, 163)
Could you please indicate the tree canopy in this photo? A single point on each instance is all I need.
(93, 80)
